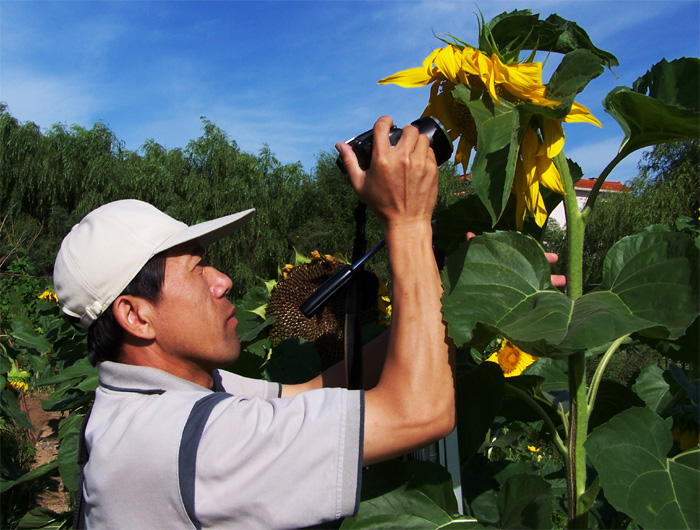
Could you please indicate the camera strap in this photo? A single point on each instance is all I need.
(353, 333)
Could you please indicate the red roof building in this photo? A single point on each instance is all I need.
(583, 188)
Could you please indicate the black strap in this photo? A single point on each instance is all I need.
(353, 333)
(83, 456)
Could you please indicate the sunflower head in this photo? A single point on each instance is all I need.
(325, 330)
(511, 359)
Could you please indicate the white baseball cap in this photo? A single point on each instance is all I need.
(107, 249)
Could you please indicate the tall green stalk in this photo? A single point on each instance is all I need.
(576, 473)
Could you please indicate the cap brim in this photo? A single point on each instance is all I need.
(209, 232)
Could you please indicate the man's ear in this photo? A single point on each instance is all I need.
(134, 315)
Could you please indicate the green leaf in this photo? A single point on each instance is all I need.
(293, 361)
(78, 371)
(68, 457)
(523, 30)
(45, 519)
(652, 388)
(28, 338)
(40, 472)
(412, 494)
(612, 398)
(499, 133)
(502, 281)
(661, 107)
(10, 406)
(525, 501)
(572, 75)
(629, 453)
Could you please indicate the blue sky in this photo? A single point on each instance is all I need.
(297, 76)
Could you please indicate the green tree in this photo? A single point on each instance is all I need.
(665, 189)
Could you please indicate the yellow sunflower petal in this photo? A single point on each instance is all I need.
(519, 189)
(413, 77)
(549, 176)
(579, 113)
(553, 134)
(448, 61)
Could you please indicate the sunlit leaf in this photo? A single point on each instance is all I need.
(661, 107)
(502, 281)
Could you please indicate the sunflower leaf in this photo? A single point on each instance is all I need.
(523, 30)
(575, 71)
(406, 495)
(502, 280)
(661, 107)
(500, 129)
(637, 477)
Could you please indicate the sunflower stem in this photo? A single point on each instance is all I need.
(598, 375)
(575, 228)
(547, 420)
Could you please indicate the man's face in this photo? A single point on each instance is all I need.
(194, 320)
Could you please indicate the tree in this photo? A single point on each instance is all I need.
(665, 189)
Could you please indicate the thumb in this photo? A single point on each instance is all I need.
(352, 166)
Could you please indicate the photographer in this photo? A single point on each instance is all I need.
(173, 441)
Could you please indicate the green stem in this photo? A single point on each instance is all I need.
(598, 375)
(575, 228)
(547, 420)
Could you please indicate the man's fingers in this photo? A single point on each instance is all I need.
(352, 166)
(552, 258)
(558, 280)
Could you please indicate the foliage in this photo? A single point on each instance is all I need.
(616, 382)
(665, 190)
(498, 284)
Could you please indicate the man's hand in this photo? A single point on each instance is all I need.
(412, 403)
(400, 186)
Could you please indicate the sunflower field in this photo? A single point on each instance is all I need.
(578, 406)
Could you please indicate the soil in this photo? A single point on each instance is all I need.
(55, 497)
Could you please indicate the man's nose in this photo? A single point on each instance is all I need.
(221, 284)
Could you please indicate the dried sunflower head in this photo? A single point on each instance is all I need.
(325, 330)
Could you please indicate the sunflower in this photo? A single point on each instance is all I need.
(49, 296)
(326, 329)
(516, 83)
(511, 359)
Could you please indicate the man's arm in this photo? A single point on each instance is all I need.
(412, 403)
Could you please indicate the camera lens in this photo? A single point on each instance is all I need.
(431, 127)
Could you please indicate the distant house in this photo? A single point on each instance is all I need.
(583, 188)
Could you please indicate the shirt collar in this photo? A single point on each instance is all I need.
(144, 380)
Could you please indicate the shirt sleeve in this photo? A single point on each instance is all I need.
(244, 386)
(280, 463)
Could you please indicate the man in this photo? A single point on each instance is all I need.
(174, 442)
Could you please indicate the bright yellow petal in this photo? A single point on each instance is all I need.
(549, 176)
(413, 77)
(519, 190)
(553, 135)
(470, 58)
(579, 113)
(449, 63)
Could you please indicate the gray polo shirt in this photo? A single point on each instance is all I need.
(168, 453)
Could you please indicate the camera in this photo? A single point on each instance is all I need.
(431, 127)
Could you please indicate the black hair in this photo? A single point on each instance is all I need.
(105, 335)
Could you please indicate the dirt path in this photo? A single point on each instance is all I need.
(45, 434)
